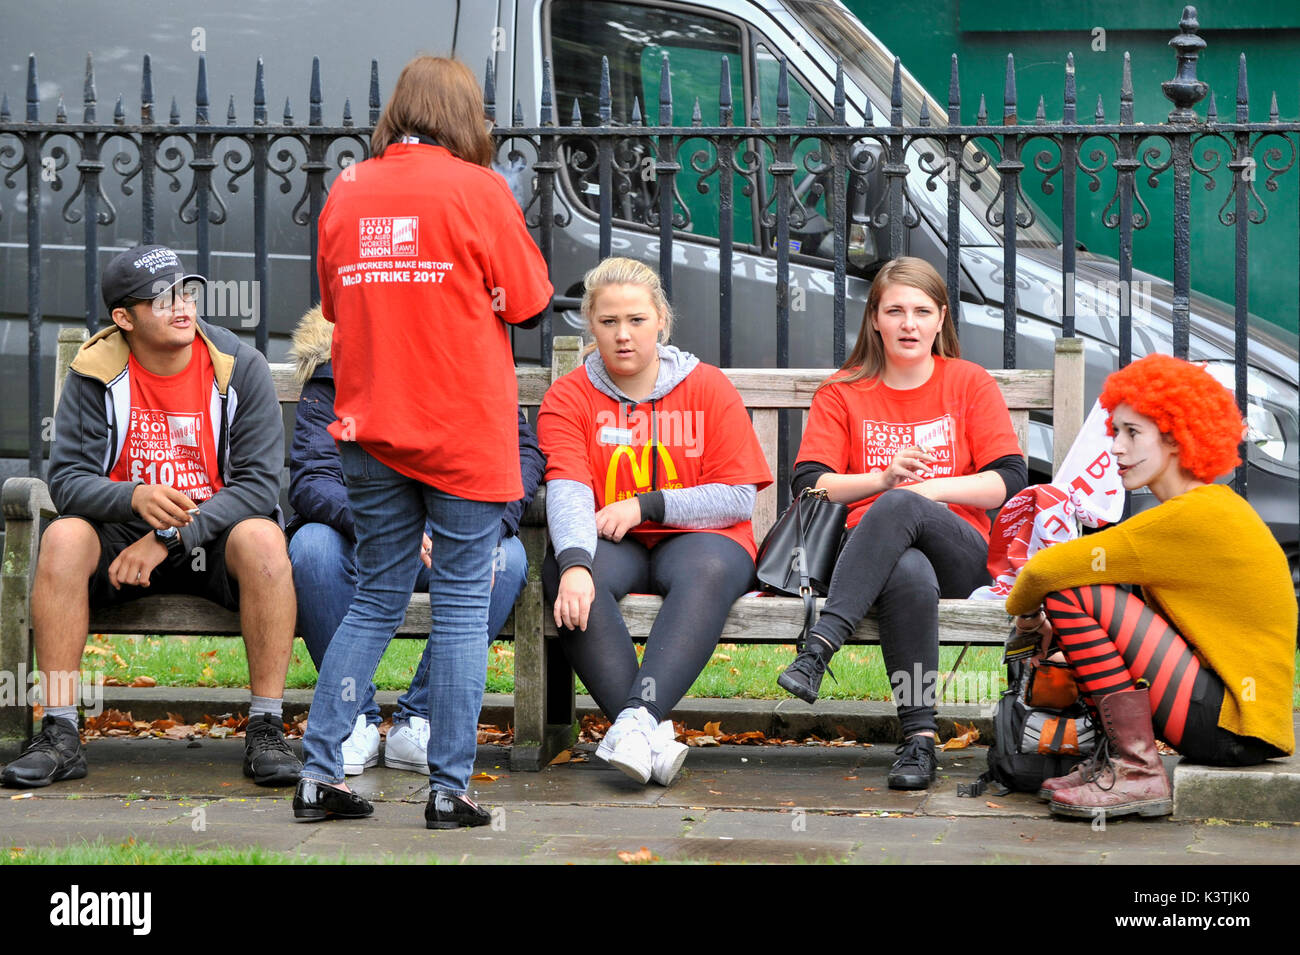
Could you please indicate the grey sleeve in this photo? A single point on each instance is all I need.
(571, 522)
(78, 484)
(709, 505)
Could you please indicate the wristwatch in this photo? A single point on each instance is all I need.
(170, 538)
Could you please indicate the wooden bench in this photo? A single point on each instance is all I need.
(545, 712)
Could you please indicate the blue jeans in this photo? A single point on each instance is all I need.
(390, 511)
(325, 574)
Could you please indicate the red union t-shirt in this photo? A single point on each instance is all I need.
(423, 259)
(959, 414)
(701, 435)
(169, 431)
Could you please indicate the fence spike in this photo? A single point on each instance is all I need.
(604, 100)
(576, 118)
(517, 117)
(982, 114)
(724, 93)
(288, 113)
(146, 90)
(697, 118)
(1040, 117)
(1212, 114)
(636, 111)
(665, 93)
(1101, 111)
(4, 108)
(315, 103)
(259, 94)
(1243, 95)
(374, 92)
(174, 117)
(119, 112)
(868, 117)
(1009, 93)
(811, 119)
(755, 112)
(838, 103)
(490, 91)
(783, 93)
(1126, 93)
(1070, 94)
(201, 92)
(1272, 109)
(88, 94)
(230, 111)
(896, 95)
(1185, 90)
(924, 117)
(347, 111)
(954, 95)
(547, 107)
(60, 113)
(33, 101)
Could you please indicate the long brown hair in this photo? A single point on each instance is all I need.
(436, 97)
(868, 357)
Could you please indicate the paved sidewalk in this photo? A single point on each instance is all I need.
(731, 804)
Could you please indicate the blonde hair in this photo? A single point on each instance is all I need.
(622, 271)
(868, 358)
(436, 97)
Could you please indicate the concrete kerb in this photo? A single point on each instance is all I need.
(1267, 793)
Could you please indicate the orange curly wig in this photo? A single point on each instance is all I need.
(1186, 403)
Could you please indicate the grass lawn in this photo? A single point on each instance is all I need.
(735, 670)
(100, 852)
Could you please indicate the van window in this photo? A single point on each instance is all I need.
(636, 38)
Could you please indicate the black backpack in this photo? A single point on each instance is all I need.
(1032, 742)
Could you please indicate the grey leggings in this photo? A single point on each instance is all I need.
(699, 574)
(906, 553)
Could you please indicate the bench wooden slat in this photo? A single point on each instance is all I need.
(766, 425)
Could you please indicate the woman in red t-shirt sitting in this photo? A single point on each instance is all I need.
(652, 469)
(919, 444)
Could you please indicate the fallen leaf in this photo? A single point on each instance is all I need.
(117, 658)
(113, 681)
(715, 792)
(713, 729)
(993, 805)
(98, 651)
(790, 803)
(725, 658)
(144, 681)
(220, 732)
(850, 777)
(702, 741)
(484, 778)
(562, 757)
(966, 736)
(845, 733)
(639, 857)
(210, 654)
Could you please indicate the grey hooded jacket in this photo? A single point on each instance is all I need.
(91, 423)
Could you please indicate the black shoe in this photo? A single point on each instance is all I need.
(447, 811)
(314, 800)
(54, 754)
(803, 678)
(916, 764)
(268, 760)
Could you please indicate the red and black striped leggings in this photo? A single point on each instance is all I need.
(1112, 639)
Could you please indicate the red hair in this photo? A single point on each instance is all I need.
(1186, 403)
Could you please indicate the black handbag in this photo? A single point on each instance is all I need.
(798, 555)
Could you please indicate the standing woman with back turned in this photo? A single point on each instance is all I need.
(424, 257)
(919, 444)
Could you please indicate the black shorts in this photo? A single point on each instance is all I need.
(1205, 741)
(200, 571)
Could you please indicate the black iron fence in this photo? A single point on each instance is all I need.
(841, 189)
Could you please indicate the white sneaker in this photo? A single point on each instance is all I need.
(631, 749)
(408, 747)
(666, 754)
(361, 749)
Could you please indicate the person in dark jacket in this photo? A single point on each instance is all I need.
(322, 543)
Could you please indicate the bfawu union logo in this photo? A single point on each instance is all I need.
(395, 236)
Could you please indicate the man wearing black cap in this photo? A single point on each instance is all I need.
(167, 452)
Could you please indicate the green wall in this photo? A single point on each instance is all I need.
(983, 33)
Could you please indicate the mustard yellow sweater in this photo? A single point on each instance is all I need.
(1207, 563)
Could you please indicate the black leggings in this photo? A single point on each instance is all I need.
(906, 553)
(699, 575)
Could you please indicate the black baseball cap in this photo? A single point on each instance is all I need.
(144, 272)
